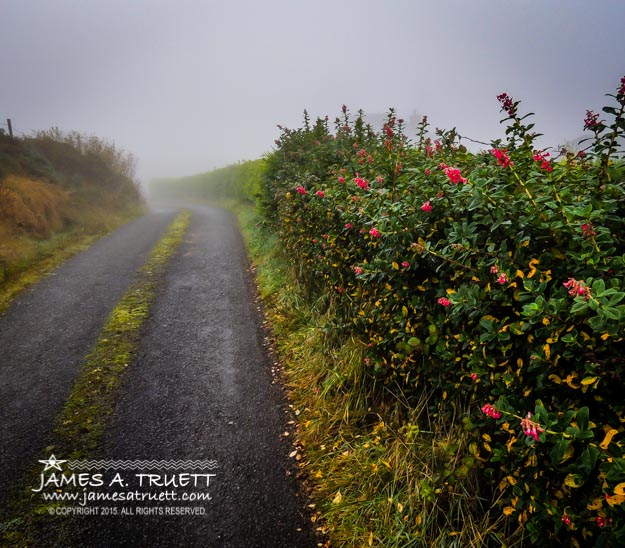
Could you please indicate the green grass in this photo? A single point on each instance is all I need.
(80, 425)
(381, 473)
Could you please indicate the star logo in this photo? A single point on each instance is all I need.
(52, 462)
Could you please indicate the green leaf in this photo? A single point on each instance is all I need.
(582, 418)
(610, 313)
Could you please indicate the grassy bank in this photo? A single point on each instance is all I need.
(58, 192)
(377, 479)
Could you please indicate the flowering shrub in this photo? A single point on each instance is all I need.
(498, 282)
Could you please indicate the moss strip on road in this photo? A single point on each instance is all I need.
(80, 425)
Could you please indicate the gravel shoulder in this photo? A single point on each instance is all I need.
(47, 332)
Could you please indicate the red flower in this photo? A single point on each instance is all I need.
(502, 278)
(341, 179)
(620, 94)
(362, 183)
(566, 519)
(348, 225)
(490, 410)
(588, 231)
(577, 288)
(427, 206)
(507, 104)
(375, 233)
(405, 264)
(444, 301)
(592, 120)
(320, 193)
(454, 175)
(357, 270)
(301, 190)
(541, 158)
(502, 157)
(530, 428)
(428, 172)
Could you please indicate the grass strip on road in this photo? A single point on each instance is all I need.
(80, 425)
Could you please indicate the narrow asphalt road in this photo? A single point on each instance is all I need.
(200, 389)
(47, 332)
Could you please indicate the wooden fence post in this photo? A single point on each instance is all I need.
(10, 127)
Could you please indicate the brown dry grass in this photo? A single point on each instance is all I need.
(32, 206)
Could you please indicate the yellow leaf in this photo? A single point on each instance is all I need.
(547, 351)
(570, 451)
(508, 510)
(569, 380)
(608, 438)
(573, 480)
(620, 489)
(510, 443)
(337, 498)
(588, 380)
(370, 538)
(487, 447)
(615, 500)
(395, 265)
(486, 437)
(532, 265)
(400, 507)
(546, 321)
(520, 274)
(385, 463)
(596, 504)
(450, 291)
(605, 336)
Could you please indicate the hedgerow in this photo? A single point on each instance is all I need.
(492, 278)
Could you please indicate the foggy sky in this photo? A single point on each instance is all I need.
(189, 85)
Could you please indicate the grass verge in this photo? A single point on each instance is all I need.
(382, 473)
(33, 258)
(80, 425)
